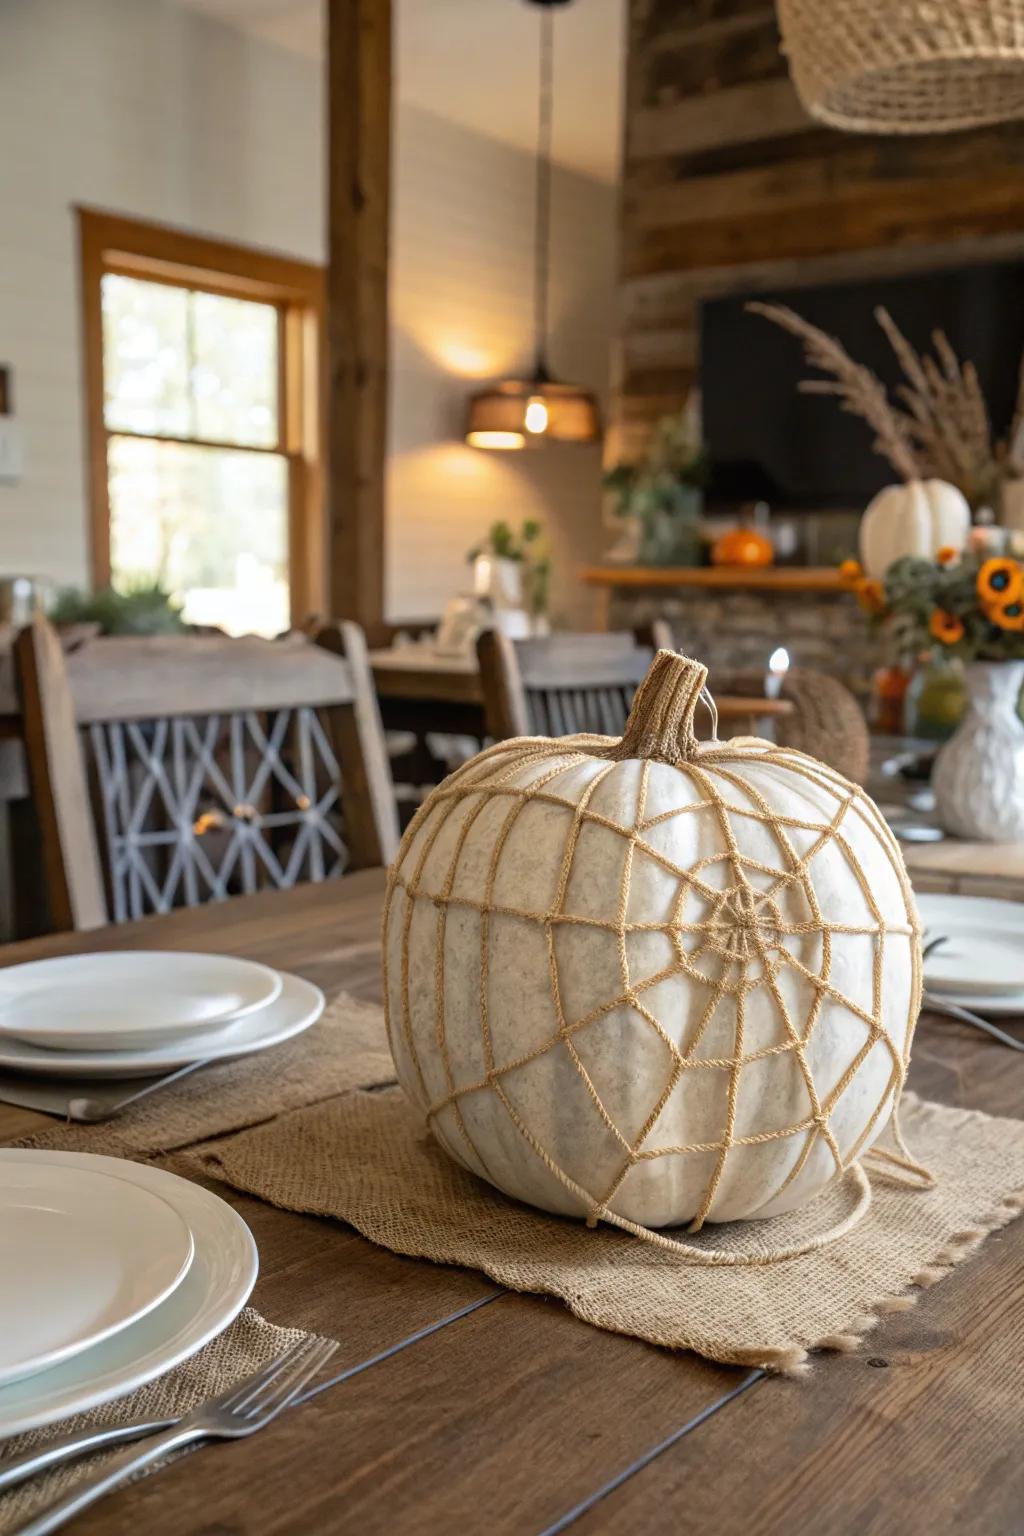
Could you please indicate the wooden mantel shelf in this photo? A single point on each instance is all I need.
(770, 578)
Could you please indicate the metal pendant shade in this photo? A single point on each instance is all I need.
(525, 412)
(906, 66)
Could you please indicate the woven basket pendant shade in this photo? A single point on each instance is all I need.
(906, 66)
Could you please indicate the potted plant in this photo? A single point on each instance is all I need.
(969, 606)
(143, 609)
(664, 492)
(512, 572)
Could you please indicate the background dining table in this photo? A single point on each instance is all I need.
(467, 1407)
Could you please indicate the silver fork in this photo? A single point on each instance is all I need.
(239, 1411)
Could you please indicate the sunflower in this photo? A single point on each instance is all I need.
(870, 594)
(1000, 581)
(946, 626)
(1006, 615)
(850, 571)
(947, 554)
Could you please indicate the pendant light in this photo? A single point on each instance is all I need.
(523, 412)
(922, 66)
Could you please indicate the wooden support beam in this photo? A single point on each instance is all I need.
(358, 194)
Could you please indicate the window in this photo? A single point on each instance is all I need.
(202, 373)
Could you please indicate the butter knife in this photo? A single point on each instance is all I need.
(85, 1100)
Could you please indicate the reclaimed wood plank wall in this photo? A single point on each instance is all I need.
(728, 186)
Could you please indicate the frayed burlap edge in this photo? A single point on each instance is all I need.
(796, 1362)
(365, 1159)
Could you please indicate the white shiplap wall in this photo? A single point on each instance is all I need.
(145, 109)
(148, 109)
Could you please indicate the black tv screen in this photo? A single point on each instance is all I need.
(768, 441)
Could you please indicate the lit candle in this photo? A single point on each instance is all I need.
(778, 666)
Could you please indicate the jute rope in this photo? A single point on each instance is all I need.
(742, 934)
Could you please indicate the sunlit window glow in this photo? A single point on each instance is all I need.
(198, 485)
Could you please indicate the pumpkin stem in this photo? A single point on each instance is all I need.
(660, 724)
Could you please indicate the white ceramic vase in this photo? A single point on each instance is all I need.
(978, 777)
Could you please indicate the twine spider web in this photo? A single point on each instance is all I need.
(739, 941)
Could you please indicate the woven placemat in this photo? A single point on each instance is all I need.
(367, 1159)
(247, 1344)
(346, 1048)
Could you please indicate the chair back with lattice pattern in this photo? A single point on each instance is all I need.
(564, 683)
(171, 771)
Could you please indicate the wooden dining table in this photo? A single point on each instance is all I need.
(420, 689)
(465, 1407)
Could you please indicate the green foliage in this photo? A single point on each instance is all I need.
(139, 610)
(675, 457)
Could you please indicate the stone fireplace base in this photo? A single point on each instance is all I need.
(735, 625)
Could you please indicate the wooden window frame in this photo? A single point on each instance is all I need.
(162, 254)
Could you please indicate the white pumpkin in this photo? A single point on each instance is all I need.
(653, 980)
(918, 518)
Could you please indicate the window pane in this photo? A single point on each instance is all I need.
(234, 376)
(210, 524)
(145, 356)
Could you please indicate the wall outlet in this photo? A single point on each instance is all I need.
(12, 451)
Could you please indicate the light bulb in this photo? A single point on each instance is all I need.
(536, 418)
(490, 439)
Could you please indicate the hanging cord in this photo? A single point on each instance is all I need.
(542, 220)
(712, 709)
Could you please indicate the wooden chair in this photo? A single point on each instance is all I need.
(177, 770)
(564, 683)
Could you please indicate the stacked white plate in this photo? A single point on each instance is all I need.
(980, 965)
(111, 1273)
(125, 1013)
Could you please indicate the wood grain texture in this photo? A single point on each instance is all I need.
(497, 1423)
(57, 775)
(728, 186)
(771, 578)
(358, 216)
(509, 1416)
(917, 1433)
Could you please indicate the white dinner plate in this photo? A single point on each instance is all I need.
(129, 999)
(217, 1286)
(298, 1006)
(82, 1256)
(981, 966)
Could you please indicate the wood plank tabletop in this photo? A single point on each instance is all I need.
(468, 1407)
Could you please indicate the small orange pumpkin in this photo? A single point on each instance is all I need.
(742, 546)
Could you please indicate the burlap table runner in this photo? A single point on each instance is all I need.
(247, 1344)
(367, 1159)
(346, 1048)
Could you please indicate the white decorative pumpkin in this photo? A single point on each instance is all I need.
(651, 980)
(918, 518)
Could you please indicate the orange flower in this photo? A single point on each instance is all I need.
(1006, 615)
(850, 571)
(947, 554)
(1000, 581)
(946, 626)
(870, 594)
